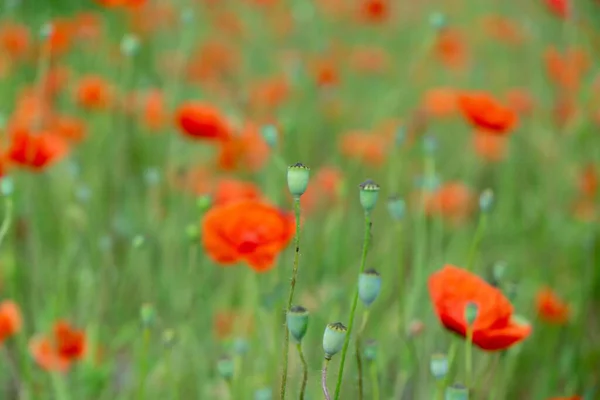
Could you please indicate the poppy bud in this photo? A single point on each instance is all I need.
(129, 45)
(396, 208)
(297, 322)
(138, 241)
(168, 338)
(370, 351)
(192, 232)
(240, 346)
(263, 394)
(429, 145)
(369, 192)
(369, 286)
(152, 176)
(457, 392)
(225, 367)
(486, 200)
(498, 270)
(471, 311)
(147, 315)
(438, 20)
(269, 133)
(6, 186)
(333, 339)
(297, 179)
(46, 30)
(203, 203)
(438, 365)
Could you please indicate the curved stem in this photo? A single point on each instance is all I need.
(476, 241)
(366, 243)
(324, 379)
(304, 371)
(374, 380)
(291, 297)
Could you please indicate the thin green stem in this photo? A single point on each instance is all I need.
(451, 357)
(359, 354)
(374, 380)
(304, 371)
(60, 386)
(291, 297)
(8, 206)
(481, 224)
(439, 389)
(363, 261)
(144, 367)
(469, 358)
(324, 379)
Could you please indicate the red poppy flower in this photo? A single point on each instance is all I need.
(589, 181)
(247, 230)
(452, 288)
(35, 150)
(93, 93)
(375, 11)
(58, 352)
(202, 121)
(10, 320)
(15, 39)
(560, 8)
(551, 308)
(231, 190)
(485, 112)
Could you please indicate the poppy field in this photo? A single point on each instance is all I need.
(294, 199)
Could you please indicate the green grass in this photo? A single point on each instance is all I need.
(82, 259)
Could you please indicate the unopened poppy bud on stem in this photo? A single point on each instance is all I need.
(333, 339)
(369, 286)
(438, 365)
(457, 392)
(297, 322)
(297, 179)
(471, 311)
(486, 200)
(225, 367)
(204, 203)
(369, 193)
(370, 351)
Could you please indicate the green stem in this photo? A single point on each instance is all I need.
(481, 224)
(451, 357)
(60, 386)
(363, 261)
(439, 390)
(359, 353)
(144, 367)
(469, 358)
(304, 371)
(8, 205)
(324, 379)
(374, 380)
(291, 296)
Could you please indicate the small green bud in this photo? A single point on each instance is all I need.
(225, 367)
(263, 394)
(138, 241)
(269, 133)
(241, 346)
(169, 338)
(369, 192)
(457, 392)
(438, 20)
(203, 203)
(129, 45)
(6, 186)
(486, 200)
(499, 270)
(297, 179)
(370, 351)
(192, 232)
(438, 365)
(396, 208)
(147, 315)
(297, 322)
(333, 339)
(471, 311)
(369, 286)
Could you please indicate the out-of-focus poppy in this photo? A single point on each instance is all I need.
(268, 94)
(374, 11)
(485, 112)
(197, 180)
(229, 322)
(520, 100)
(451, 49)
(452, 289)
(586, 210)
(326, 73)
(70, 128)
(503, 29)
(60, 37)
(440, 102)
(589, 181)
(369, 148)
(35, 150)
(10, 320)
(153, 111)
(370, 60)
(212, 61)
(247, 150)
(560, 8)
(15, 39)
(324, 189)
(88, 26)
(57, 352)
(491, 148)
(248, 230)
(93, 92)
(566, 69)
(453, 200)
(550, 308)
(231, 190)
(202, 121)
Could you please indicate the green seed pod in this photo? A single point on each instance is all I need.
(370, 351)
(269, 133)
(297, 322)
(333, 339)
(396, 208)
(486, 200)
(225, 367)
(138, 241)
(147, 315)
(297, 179)
(241, 346)
(169, 338)
(369, 192)
(203, 203)
(263, 394)
(471, 311)
(438, 365)
(457, 392)
(438, 20)
(192, 232)
(369, 286)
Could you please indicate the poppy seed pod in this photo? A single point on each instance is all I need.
(438, 20)
(263, 394)
(396, 208)
(168, 338)
(438, 365)
(269, 133)
(333, 339)
(370, 351)
(147, 315)
(225, 367)
(203, 203)
(471, 311)
(297, 179)
(369, 286)
(297, 322)
(369, 192)
(486, 200)
(457, 392)
(241, 346)
(6, 186)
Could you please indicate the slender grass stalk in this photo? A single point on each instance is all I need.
(469, 358)
(304, 371)
(291, 296)
(366, 243)
(481, 226)
(60, 386)
(141, 393)
(374, 380)
(439, 389)
(359, 354)
(6, 222)
(324, 379)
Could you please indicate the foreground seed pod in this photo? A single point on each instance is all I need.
(225, 367)
(370, 351)
(297, 179)
(369, 286)
(297, 322)
(438, 365)
(147, 315)
(333, 339)
(369, 193)
(396, 208)
(457, 392)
